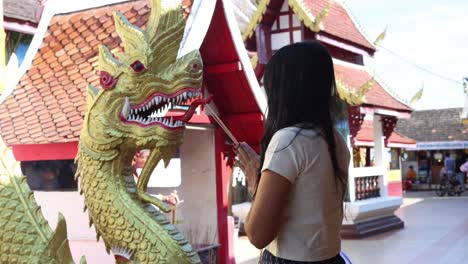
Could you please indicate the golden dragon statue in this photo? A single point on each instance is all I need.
(127, 115)
(25, 236)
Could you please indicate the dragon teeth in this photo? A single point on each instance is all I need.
(126, 108)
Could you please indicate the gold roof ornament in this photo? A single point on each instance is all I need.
(380, 37)
(416, 97)
(254, 60)
(354, 97)
(126, 115)
(256, 18)
(305, 15)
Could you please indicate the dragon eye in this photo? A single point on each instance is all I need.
(137, 66)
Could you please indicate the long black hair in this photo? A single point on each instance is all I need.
(300, 86)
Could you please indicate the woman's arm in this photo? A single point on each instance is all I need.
(266, 214)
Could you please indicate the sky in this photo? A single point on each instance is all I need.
(430, 33)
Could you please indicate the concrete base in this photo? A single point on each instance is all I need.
(370, 217)
(371, 227)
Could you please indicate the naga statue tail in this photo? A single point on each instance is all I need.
(25, 235)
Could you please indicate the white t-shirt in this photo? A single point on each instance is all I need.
(313, 217)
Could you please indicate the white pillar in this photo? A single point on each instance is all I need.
(351, 182)
(379, 152)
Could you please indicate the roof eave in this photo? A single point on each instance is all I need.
(345, 44)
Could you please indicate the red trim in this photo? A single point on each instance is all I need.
(222, 184)
(118, 257)
(244, 118)
(223, 68)
(53, 151)
(201, 118)
(395, 188)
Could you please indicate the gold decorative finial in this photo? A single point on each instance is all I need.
(317, 26)
(305, 14)
(416, 97)
(354, 97)
(380, 37)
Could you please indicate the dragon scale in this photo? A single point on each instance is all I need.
(127, 115)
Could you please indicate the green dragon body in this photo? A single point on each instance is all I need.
(25, 236)
(124, 117)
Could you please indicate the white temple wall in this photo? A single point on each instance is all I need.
(197, 215)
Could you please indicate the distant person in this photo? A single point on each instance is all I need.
(50, 181)
(33, 179)
(464, 167)
(449, 164)
(463, 172)
(410, 178)
(138, 163)
(411, 174)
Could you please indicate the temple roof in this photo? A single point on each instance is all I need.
(338, 22)
(250, 12)
(23, 10)
(48, 103)
(354, 76)
(365, 137)
(434, 125)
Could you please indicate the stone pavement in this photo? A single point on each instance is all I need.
(436, 232)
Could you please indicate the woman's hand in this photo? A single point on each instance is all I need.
(249, 162)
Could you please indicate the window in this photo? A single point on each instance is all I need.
(17, 43)
(50, 175)
(363, 157)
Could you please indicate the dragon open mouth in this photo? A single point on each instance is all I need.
(152, 111)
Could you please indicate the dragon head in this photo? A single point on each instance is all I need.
(141, 83)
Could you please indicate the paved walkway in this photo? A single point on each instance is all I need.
(436, 231)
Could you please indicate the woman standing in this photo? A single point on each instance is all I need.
(299, 181)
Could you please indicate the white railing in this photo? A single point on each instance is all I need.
(366, 183)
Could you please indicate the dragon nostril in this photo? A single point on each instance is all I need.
(107, 81)
(195, 66)
(137, 66)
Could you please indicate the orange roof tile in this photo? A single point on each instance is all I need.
(48, 103)
(355, 76)
(338, 22)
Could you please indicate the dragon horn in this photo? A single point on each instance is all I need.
(107, 62)
(153, 20)
(132, 37)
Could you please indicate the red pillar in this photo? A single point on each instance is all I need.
(225, 229)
